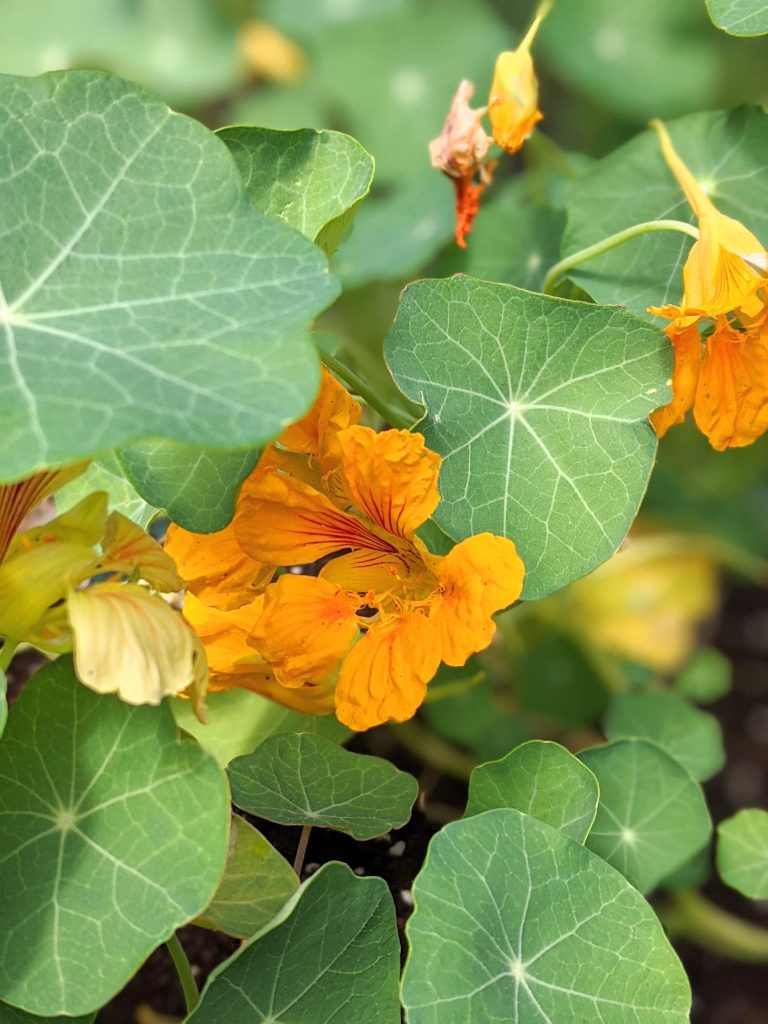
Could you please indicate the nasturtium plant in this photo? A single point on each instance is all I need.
(360, 584)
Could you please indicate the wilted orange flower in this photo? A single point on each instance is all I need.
(383, 611)
(459, 152)
(720, 329)
(513, 103)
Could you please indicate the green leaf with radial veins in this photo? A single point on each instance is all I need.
(299, 779)
(542, 779)
(142, 296)
(256, 883)
(106, 474)
(10, 1015)
(515, 922)
(196, 487)
(330, 956)
(692, 737)
(739, 17)
(539, 409)
(742, 852)
(652, 816)
(112, 834)
(312, 180)
(727, 152)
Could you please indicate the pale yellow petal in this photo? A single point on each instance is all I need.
(128, 641)
(127, 548)
(33, 581)
(18, 499)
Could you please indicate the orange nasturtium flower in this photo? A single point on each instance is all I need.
(371, 629)
(513, 103)
(720, 329)
(58, 593)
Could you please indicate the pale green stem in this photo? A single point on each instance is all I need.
(433, 750)
(393, 416)
(694, 918)
(301, 849)
(184, 971)
(7, 653)
(605, 244)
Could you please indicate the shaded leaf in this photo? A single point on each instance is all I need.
(513, 921)
(132, 251)
(257, 881)
(742, 852)
(726, 151)
(331, 956)
(195, 487)
(706, 677)
(299, 779)
(105, 815)
(3, 702)
(541, 779)
(557, 677)
(692, 737)
(238, 721)
(106, 474)
(652, 816)
(10, 1015)
(539, 409)
(312, 180)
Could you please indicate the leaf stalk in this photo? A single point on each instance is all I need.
(184, 971)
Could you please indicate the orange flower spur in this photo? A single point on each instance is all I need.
(384, 611)
(720, 329)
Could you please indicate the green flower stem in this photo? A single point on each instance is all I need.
(692, 917)
(184, 971)
(7, 653)
(395, 417)
(301, 849)
(605, 244)
(433, 750)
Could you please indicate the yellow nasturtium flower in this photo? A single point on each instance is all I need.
(373, 626)
(73, 584)
(720, 329)
(513, 102)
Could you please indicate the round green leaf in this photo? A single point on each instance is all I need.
(10, 1015)
(739, 17)
(300, 779)
(539, 409)
(112, 834)
(542, 779)
(515, 922)
(692, 737)
(238, 721)
(706, 677)
(742, 852)
(652, 816)
(726, 151)
(106, 474)
(196, 487)
(641, 60)
(331, 956)
(257, 881)
(312, 180)
(142, 296)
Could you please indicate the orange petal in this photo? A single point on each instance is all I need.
(385, 675)
(391, 477)
(317, 433)
(18, 499)
(127, 547)
(478, 577)
(306, 628)
(685, 377)
(215, 567)
(287, 522)
(731, 405)
(130, 642)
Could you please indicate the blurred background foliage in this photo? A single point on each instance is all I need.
(385, 72)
